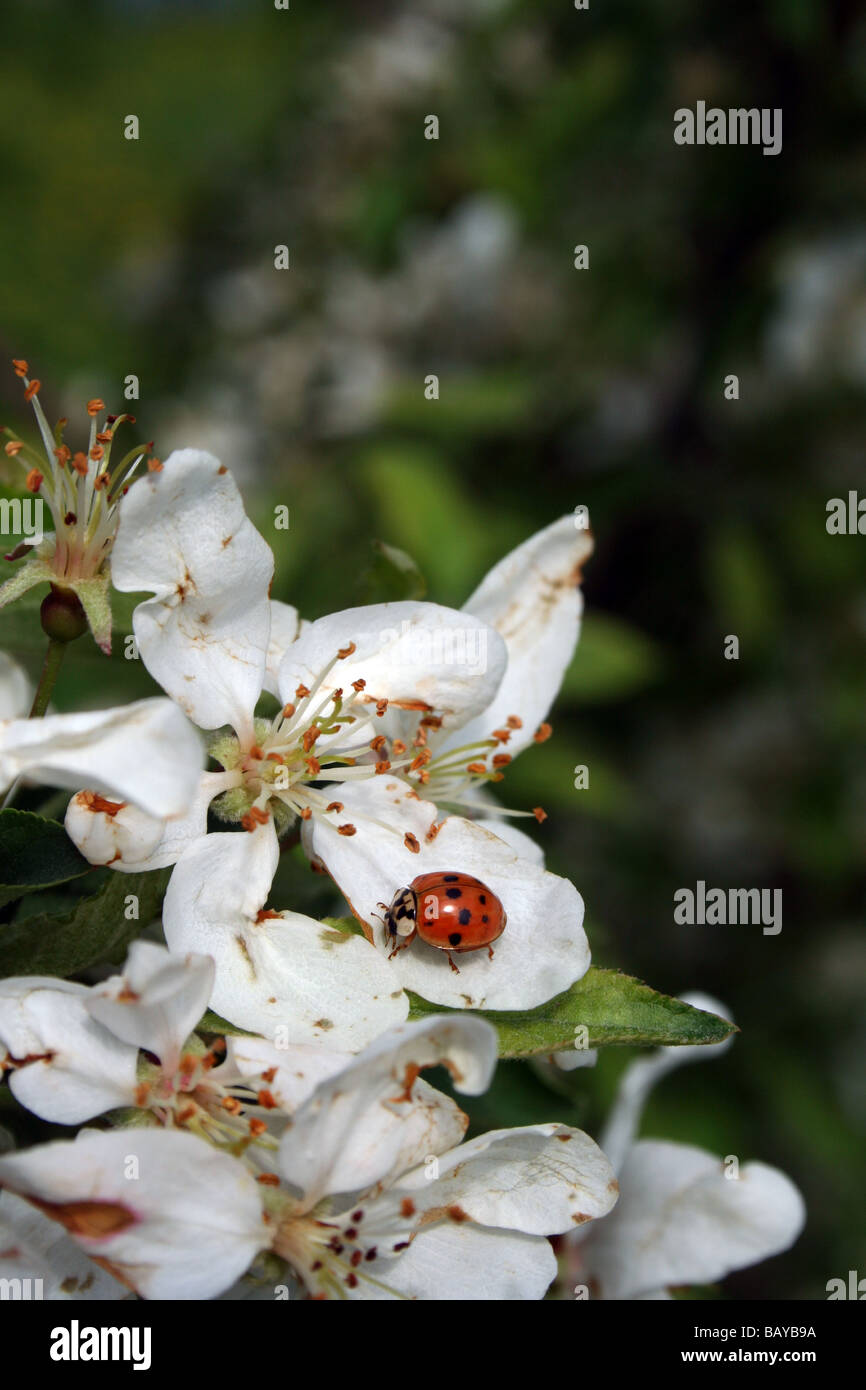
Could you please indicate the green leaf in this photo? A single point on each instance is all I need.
(613, 660)
(348, 925)
(614, 1008)
(95, 929)
(211, 1022)
(393, 575)
(34, 853)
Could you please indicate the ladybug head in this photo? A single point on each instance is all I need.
(400, 917)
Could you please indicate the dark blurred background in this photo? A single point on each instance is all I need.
(559, 387)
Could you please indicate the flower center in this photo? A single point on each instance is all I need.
(81, 490)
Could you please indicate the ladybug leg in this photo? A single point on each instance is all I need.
(451, 963)
(489, 952)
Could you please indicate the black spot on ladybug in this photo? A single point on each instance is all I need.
(482, 897)
(485, 918)
(454, 892)
(450, 878)
(464, 916)
(454, 939)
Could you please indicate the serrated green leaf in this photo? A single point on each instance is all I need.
(615, 1009)
(95, 929)
(34, 853)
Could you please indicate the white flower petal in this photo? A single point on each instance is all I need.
(146, 752)
(132, 842)
(531, 598)
(66, 1067)
(204, 636)
(16, 691)
(543, 949)
(288, 976)
(34, 1247)
(373, 1120)
(286, 625)
(156, 1002)
(540, 1179)
(680, 1220)
(293, 1073)
(528, 849)
(462, 1263)
(163, 1210)
(418, 656)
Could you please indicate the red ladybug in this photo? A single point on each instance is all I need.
(453, 912)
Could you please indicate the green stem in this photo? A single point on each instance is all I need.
(48, 679)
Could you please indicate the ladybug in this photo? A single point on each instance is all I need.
(451, 911)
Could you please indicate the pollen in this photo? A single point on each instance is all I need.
(154, 465)
(543, 732)
(334, 806)
(257, 1127)
(32, 390)
(346, 651)
(501, 759)
(539, 813)
(266, 1100)
(264, 914)
(514, 722)
(256, 752)
(288, 711)
(79, 463)
(313, 765)
(501, 735)
(358, 686)
(94, 406)
(306, 813)
(310, 736)
(398, 748)
(378, 743)
(97, 453)
(383, 766)
(381, 706)
(346, 830)
(476, 767)
(411, 842)
(33, 481)
(231, 1104)
(21, 367)
(301, 693)
(14, 447)
(254, 817)
(63, 454)
(268, 1179)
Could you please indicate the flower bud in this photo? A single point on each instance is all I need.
(63, 618)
